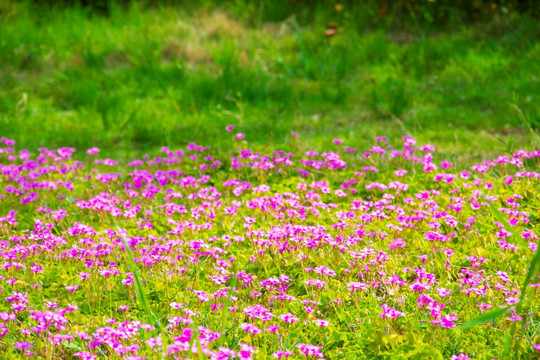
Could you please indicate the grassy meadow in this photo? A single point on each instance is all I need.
(238, 180)
(141, 77)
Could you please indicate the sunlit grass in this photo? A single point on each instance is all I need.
(143, 77)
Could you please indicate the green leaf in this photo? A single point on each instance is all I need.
(492, 315)
(141, 294)
(200, 353)
(500, 218)
(71, 345)
(534, 270)
(138, 285)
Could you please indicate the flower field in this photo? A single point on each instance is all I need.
(390, 252)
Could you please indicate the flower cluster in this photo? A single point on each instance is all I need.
(280, 254)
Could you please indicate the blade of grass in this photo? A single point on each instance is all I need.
(500, 218)
(195, 340)
(533, 133)
(534, 270)
(200, 353)
(152, 318)
(138, 285)
(492, 315)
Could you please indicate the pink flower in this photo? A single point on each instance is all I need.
(282, 354)
(484, 306)
(250, 328)
(93, 151)
(240, 136)
(401, 172)
(515, 317)
(229, 127)
(428, 147)
(308, 349)
(443, 292)
(247, 348)
(85, 355)
(321, 322)
(464, 175)
(390, 312)
(459, 357)
(356, 286)
(8, 142)
(337, 141)
(511, 300)
(23, 345)
(447, 321)
(18, 306)
(294, 134)
(3, 330)
(445, 164)
(288, 318)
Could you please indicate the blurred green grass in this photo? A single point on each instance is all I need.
(143, 77)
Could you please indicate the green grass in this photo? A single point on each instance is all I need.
(140, 78)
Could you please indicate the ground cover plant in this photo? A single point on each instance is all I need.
(301, 232)
(385, 252)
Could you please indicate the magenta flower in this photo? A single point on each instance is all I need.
(246, 351)
(308, 349)
(23, 345)
(282, 354)
(93, 151)
(321, 323)
(254, 231)
(250, 328)
(3, 330)
(390, 312)
(288, 318)
(18, 306)
(353, 286)
(72, 288)
(515, 317)
(445, 164)
(427, 148)
(7, 142)
(443, 292)
(85, 355)
(447, 321)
